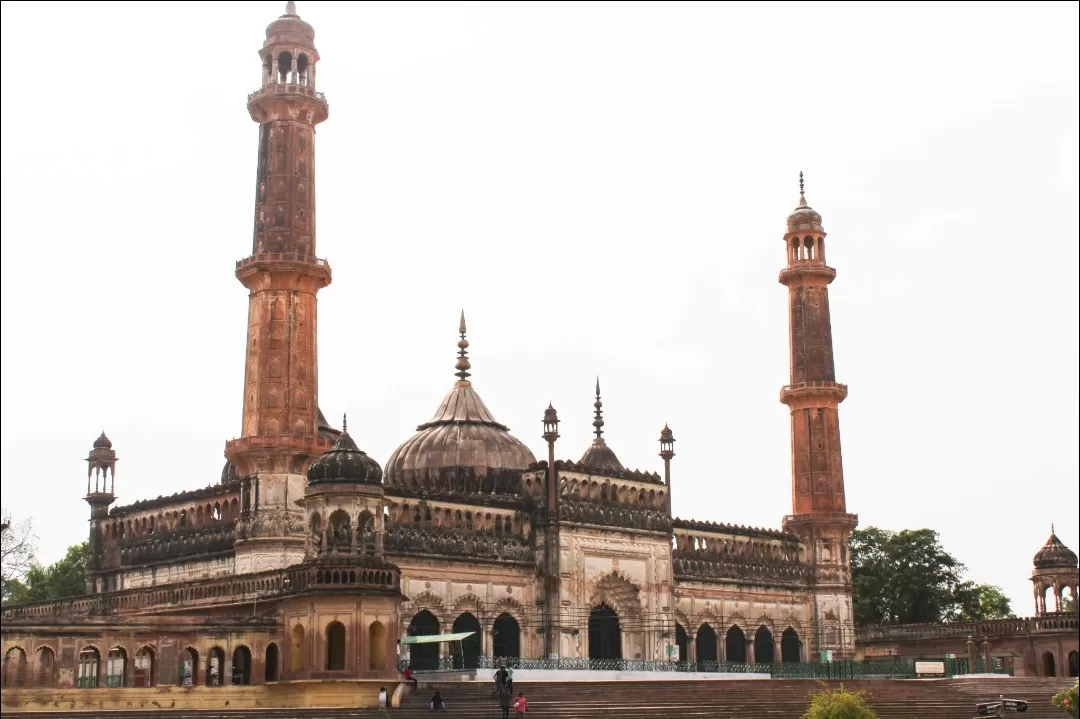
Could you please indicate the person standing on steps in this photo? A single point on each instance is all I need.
(504, 703)
(520, 705)
(500, 681)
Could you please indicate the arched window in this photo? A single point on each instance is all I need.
(506, 639)
(1074, 663)
(241, 666)
(763, 646)
(15, 667)
(681, 643)
(215, 668)
(424, 656)
(189, 667)
(46, 668)
(89, 659)
(339, 532)
(115, 667)
(790, 646)
(144, 667)
(296, 651)
(377, 646)
(272, 661)
(706, 645)
(1049, 666)
(467, 651)
(735, 645)
(335, 647)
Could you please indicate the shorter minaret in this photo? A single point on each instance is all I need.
(667, 452)
(100, 494)
(552, 573)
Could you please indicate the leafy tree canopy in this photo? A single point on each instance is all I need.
(838, 704)
(62, 579)
(907, 577)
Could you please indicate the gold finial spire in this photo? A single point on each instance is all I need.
(463, 365)
(345, 422)
(598, 423)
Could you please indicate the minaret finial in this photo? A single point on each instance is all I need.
(598, 423)
(463, 365)
(345, 422)
(802, 191)
(1052, 528)
(290, 8)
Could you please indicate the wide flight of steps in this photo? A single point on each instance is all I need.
(744, 699)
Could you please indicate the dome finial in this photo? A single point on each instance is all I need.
(290, 8)
(463, 365)
(1051, 525)
(598, 423)
(345, 422)
(802, 191)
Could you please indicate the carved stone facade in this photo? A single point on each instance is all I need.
(311, 562)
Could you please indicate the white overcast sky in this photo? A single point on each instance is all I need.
(603, 188)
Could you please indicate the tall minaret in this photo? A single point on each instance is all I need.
(280, 434)
(100, 494)
(819, 510)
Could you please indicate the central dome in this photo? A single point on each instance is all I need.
(462, 449)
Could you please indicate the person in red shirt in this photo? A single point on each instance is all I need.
(410, 678)
(520, 704)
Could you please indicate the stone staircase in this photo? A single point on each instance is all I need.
(745, 699)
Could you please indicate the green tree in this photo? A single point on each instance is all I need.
(907, 577)
(989, 603)
(838, 704)
(64, 578)
(1068, 604)
(16, 554)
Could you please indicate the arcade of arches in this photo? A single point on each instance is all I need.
(764, 648)
(502, 640)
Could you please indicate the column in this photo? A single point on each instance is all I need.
(778, 656)
(750, 651)
(721, 646)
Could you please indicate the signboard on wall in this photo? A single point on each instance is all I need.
(930, 668)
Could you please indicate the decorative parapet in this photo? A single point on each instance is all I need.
(736, 529)
(962, 630)
(470, 546)
(179, 500)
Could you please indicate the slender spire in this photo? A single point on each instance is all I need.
(802, 191)
(290, 8)
(463, 365)
(345, 422)
(1051, 523)
(598, 423)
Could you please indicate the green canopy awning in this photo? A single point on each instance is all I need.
(434, 638)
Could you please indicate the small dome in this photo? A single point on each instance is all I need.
(345, 462)
(291, 25)
(1055, 555)
(462, 440)
(102, 442)
(600, 456)
(464, 436)
(228, 473)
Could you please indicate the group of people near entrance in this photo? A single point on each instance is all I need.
(504, 687)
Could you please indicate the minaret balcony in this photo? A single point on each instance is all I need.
(808, 394)
(286, 262)
(281, 88)
(807, 272)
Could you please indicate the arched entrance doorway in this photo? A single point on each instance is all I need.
(681, 643)
(423, 656)
(335, 647)
(605, 635)
(1049, 665)
(706, 644)
(506, 637)
(467, 651)
(735, 644)
(763, 646)
(1074, 664)
(790, 646)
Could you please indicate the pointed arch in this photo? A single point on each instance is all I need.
(424, 656)
(89, 666)
(15, 667)
(271, 671)
(467, 651)
(790, 646)
(189, 667)
(506, 636)
(45, 674)
(335, 647)
(144, 667)
(681, 643)
(605, 633)
(241, 666)
(377, 646)
(763, 646)
(735, 645)
(705, 643)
